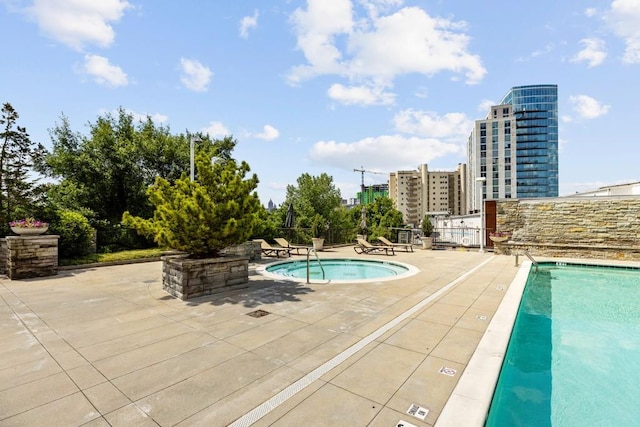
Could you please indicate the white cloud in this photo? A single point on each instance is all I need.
(485, 106)
(587, 107)
(382, 152)
(195, 76)
(374, 50)
(142, 117)
(247, 23)
(269, 133)
(103, 72)
(216, 130)
(590, 12)
(549, 47)
(624, 19)
(433, 125)
(79, 22)
(362, 95)
(593, 52)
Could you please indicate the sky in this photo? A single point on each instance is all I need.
(329, 86)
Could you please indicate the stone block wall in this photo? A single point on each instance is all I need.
(583, 227)
(3, 256)
(250, 249)
(31, 256)
(187, 278)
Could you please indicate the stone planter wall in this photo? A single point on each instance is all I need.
(250, 249)
(594, 227)
(3, 256)
(187, 278)
(31, 256)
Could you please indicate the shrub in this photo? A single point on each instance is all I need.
(76, 234)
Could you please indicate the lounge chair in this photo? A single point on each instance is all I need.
(406, 246)
(269, 250)
(364, 247)
(285, 244)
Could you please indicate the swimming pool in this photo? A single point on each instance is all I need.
(338, 270)
(572, 356)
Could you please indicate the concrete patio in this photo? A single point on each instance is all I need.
(106, 346)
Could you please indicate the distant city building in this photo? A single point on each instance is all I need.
(372, 192)
(271, 206)
(418, 192)
(515, 147)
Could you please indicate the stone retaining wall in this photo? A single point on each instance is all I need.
(3, 256)
(31, 256)
(593, 227)
(187, 278)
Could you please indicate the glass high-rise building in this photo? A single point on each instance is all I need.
(515, 148)
(535, 109)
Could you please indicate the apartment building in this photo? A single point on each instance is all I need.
(419, 192)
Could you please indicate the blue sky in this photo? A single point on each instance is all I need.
(332, 85)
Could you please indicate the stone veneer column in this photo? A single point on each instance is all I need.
(32, 256)
(3, 256)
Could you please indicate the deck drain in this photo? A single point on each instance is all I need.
(258, 313)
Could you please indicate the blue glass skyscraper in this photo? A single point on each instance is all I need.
(535, 108)
(513, 151)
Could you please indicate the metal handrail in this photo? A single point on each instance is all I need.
(309, 250)
(528, 255)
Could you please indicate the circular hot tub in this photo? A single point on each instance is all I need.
(338, 270)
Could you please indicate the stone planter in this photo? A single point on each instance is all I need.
(29, 231)
(31, 256)
(187, 278)
(499, 239)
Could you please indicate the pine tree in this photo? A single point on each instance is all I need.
(218, 209)
(17, 155)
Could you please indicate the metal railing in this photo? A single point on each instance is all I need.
(458, 236)
(309, 250)
(526, 253)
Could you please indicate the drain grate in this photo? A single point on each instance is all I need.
(258, 313)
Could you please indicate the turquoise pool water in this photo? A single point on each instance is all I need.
(339, 269)
(574, 354)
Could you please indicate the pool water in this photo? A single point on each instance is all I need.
(573, 357)
(339, 269)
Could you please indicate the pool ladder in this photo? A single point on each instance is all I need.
(309, 250)
(526, 253)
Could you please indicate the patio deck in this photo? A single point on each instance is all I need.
(106, 346)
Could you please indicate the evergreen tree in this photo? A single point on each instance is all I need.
(18, 191)
(220, 208)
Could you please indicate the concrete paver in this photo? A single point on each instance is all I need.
(106, 346)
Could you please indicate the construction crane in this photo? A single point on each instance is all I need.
(362, 171)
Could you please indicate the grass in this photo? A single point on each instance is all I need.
(114, 256)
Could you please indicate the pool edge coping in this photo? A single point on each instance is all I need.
(468, 404)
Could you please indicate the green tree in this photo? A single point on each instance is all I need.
(381, 217)
(316, 202)
(218, 209)
(110, 170)
(19, 192)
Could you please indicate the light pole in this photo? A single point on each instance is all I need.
(192, 155)
(481, 180)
